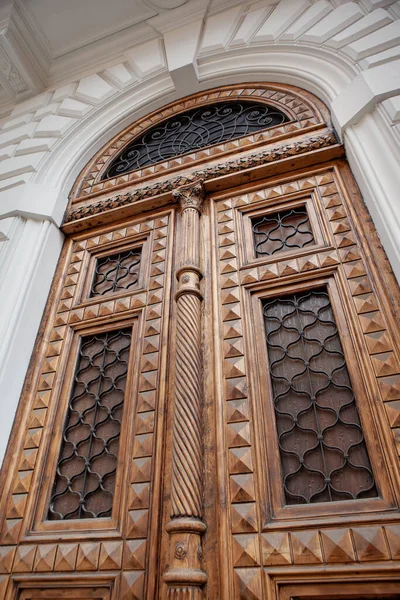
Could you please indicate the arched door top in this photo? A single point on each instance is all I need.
(135, 154)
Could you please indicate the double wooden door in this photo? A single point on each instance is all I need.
(213, 405)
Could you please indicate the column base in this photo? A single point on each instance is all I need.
(185, 577)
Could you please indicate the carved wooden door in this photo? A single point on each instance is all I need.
(306, 391)
(213, 403)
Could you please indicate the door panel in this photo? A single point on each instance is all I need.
(86, 481)
(309, 393)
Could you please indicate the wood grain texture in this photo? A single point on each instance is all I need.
(199, 510)
(187, 452)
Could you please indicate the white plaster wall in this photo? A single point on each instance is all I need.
(347, 53)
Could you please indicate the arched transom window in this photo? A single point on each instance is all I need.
(197, 128)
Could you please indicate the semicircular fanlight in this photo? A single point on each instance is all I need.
(192, 130)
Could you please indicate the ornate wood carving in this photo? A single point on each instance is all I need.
(186, 527)
(279, 537)
(303, 112)
(256, 545)
(256, 159)
(29, 543)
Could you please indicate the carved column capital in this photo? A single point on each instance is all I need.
(190, 195)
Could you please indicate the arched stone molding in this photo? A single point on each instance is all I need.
(349, 60)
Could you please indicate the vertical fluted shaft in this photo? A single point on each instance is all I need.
(185, 576)
(191, 237)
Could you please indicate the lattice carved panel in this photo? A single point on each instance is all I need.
(116, 272)
(86, 468)
(321, 441)
(282, 231)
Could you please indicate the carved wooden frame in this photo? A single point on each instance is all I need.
(256, 540)
(307, 583)
(131, 542)
(104, 587)
(305, 112)
(41, 524)
(275, 512)
(97, 221)
(83, 213)
(139, 243)
(247, 255)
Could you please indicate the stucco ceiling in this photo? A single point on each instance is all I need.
(66, 26)
(46, 41)
(51, 42)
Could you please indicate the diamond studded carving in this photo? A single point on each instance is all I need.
(306, 547)
(370, 544)
(275, 549)
(248, 583)
(245, 550)
(45, 557)
(110, 556)
(24, 559)
(88, 557)
(66, 557)
(337, 545)
(6, 558)
(244, 518)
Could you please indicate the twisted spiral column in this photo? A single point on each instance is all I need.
(187, 445)
(184, 575)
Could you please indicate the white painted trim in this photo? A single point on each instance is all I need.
(364, 92)
(373, 155)
(30, 259)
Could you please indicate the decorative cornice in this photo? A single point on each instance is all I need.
(256, 159)
(22, 72)
(191, 195)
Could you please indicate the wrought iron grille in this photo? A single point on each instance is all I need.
(116, 273)
(321, 443)
(86, 468)
(283, 230)
(195, 129)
